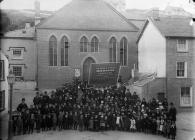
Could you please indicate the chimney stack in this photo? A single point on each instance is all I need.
(155, 13)
(27, 25)
(37, 12)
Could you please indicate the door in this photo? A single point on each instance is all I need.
(86, 68)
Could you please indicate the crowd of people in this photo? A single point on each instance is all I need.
(95, 109)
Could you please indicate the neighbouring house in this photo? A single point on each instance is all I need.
(166, 47)
(81, 33)
(20, 47)
(4, 71)
(4, 95)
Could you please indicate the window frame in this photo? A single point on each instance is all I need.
(111, 47)
(84, 41)
(123, 50)
(2, 63)
(185, 69)
(95, 37)
(186, 105)
(15, 57)
(20, 72)
(65, 44)
(54, 49)
(2, 104)
(186, 46)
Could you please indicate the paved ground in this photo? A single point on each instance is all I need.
(185, 125)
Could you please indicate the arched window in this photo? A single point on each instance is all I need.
(112, 49)
(123, 51)
(83, 44)
(53, 51)
(64, 51)
(94, 44)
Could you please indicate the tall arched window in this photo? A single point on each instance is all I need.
(83, 44)
(112, 49)
(64, 51)
(53, 51)
(94, 44)
(123, 51)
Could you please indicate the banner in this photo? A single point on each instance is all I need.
(104, 74)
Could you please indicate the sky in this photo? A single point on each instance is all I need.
(53, 5)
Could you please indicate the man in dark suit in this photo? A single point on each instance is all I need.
(172, 112)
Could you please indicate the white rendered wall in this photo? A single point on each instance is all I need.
(4, 83)
(152, 51)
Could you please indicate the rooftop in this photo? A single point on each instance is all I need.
(88, 15)
(21, 33)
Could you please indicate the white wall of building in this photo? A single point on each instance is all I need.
(4, 83)
(152, 51)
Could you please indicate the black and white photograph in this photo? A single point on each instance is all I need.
(97, 69)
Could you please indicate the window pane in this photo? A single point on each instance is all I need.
(123, 51)
(55, 56)
(94, 44)
(2, 99)
(180, 69)
(185, 96)
(62, 56)
(110, 54)
(64, 51)
(2, 72)
(66, 56)
(83, 44)
(112, 49)
(17, 71)
(17, 52)
(182, 45)
(53, 51)
(51, 56)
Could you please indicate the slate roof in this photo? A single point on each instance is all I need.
(174, 27)
(28, 33)
(138, 23)
(88, 15)
(171, 27)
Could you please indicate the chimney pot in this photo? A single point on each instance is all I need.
(37, 12)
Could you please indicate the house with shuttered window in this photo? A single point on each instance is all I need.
(80, 33)
(166, 47)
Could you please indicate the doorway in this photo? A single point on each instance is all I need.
(86, 68)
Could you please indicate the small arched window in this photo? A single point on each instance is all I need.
(123, 51)
(112, 49)
(94, 44)
(64, 51)
(52, 51)
(83, 44)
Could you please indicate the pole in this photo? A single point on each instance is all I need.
(10, 114)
